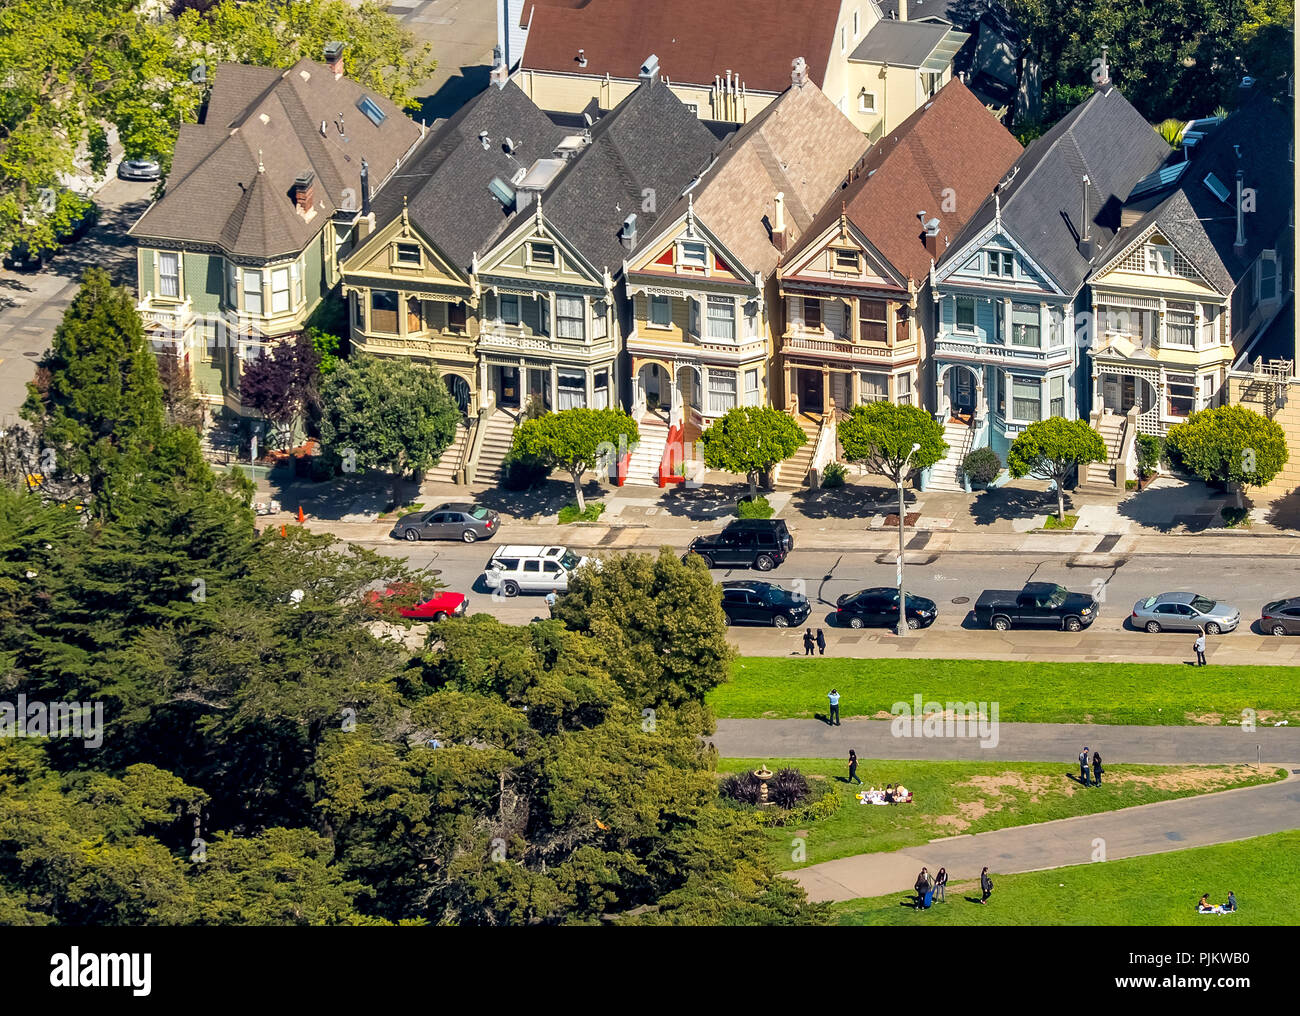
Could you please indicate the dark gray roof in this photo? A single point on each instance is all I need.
(445, 182)
(900, 43)
(1204, 228)
(650, 143)
(1103, 138)
(1276, 342)
(232, 178)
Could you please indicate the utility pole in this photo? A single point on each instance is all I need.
(902, 515)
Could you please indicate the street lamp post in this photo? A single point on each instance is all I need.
(902, 515)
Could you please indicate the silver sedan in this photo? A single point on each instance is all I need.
(139, 169)
(1184, 612)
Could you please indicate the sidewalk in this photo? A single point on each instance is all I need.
(1016, 742)
(1204, 820)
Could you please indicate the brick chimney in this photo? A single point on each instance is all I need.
(334, 58)
(304, 192)
(500, 72)
(930, 233)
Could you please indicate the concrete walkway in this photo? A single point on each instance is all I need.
(1130, 832)
(1015, 742)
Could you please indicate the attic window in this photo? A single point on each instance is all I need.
(1216, 187)
(846, 260)
(371, 108)
(408, 253)
(541, 254)
(694, 255)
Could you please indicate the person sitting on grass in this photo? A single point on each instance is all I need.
(1231, 906)
(902, 795)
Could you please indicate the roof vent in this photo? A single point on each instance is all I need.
(650, 70)
(931, 227)
(582, 58)
(510, 147)
(484, 140)
(627, 235)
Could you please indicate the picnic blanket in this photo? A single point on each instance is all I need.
(1215, 909)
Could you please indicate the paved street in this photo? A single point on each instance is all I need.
(32, 303)
(1130, 832)
(1247, 581)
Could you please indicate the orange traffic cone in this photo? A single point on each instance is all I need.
(301, 517)
(284, 530)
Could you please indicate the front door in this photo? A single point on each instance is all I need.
(508, 388)
(810, 391)
(963, 391)
(539, 386)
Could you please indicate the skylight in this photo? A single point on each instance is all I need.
(1216, 187)
(371, 108)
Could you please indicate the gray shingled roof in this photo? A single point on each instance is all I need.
(1103, 138)
(1204, 228)
(900, 43)
(446, 179)
(649, 142)
(216, 195)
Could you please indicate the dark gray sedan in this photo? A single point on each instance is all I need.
(1281, 617)
(1184, 612)
(455, 521)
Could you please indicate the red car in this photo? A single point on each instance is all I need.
(437, 607)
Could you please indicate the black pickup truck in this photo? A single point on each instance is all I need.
(1038, 605)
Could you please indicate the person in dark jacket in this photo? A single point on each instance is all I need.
(821, 642)
(986, 885)
(924, 889)
(1096, 768)
(809, 645)
(941, 884)
(1083, 767)
(853, 767)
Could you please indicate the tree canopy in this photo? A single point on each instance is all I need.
(576, 440)
(1052, 449)
(881, 434)
(750, 440)
(1229, 445)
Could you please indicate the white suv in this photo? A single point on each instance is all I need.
(531, 569)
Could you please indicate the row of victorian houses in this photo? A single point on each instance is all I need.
(644, 257)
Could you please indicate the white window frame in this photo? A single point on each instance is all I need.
(599, 320)
(567, 316)
(281, 290)
(722, 310)
(903, 398)
(173, 276)
(249, 275)
(751, 387)
(404, 262)
(837, 253)
(974, 316)
(661, 301)
(998, 259)
(723, 391)
(751, 319)
(1051, 399)
(1024, 379)
(1159, 259)
(688, 264)
(867, 101)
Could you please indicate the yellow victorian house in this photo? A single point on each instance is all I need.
(702, 284)
(1199, 268)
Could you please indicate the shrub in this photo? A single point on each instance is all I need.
(519, 472)
(754, 508)
(742, 787)
(570, 513)
(814, 811)
(1233, 517)
(1130, 484)
(833, 475)
(788, 788)
(1150, 452)
(982, 465)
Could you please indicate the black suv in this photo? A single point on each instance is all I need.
(748, 543)
(763, 603)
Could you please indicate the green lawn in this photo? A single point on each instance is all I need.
(1125, 693)
(1161, 890)
(951, 798)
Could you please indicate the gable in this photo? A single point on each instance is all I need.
(534, 250)
(1153, 260)
(983, 261)
(689, 250)
(391, 252)
(828, 257)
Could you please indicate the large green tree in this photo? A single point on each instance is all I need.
(1229, 445)
(880, 435)
(660, 621)
(751, 440)
(576, 440)
(389, 414)
(1053, 449)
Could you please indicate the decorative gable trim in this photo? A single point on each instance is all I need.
(1138, 246)
(956, 257)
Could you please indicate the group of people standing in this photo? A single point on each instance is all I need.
(1085, 764)
(933, 888)
(814, 644)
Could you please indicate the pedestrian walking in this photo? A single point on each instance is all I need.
(924, 890)
(808, 643)
(941, 885)
(834, 697)
(853, 767)
(1096, 768)
(1083, 767)
(821, 642)
(986, 885)
(551, 597)
(1199, 646)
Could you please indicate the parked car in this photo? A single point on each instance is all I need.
(763, 603)
(878, 608)
(80, 226)
(1038, 605)
(436, 607)
(452, 521)
(139, 169)
(516, 569)
(1281, 617)
(23, 257)
(1184, 612)
(744, 544)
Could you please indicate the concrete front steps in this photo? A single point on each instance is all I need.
(943, 474)
(452, 459)
(794, 470)
(1100, 476)
(643, 466)
(496, 446)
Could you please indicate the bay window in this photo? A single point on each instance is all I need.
(1025, 325)
(722, 391)
(722, 318)
(965, 313)
(751, 319)
(1026, 398)
(508, 308)
(902, 330)
(1180, 325)
(456, 317)
(1210, 325)
(693, 325)
(600, 390)
(279, 290)
(383, 310)
(751, 388)
(295, 273)
(1057, 396)
(812, 313)
(903, 394)
(873, 387)
(599, 319)
(872, 321)
(252, 292)
(232, 286)
(358, 312)
(572, 390)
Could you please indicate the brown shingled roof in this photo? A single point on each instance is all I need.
(756, 41)
(950, 147)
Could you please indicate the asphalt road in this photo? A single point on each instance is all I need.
(1246, 582)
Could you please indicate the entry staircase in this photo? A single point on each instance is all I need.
(794, 470)
(643, 465)
(946, 473)
(453, 459)
(497, 439)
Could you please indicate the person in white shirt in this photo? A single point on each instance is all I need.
(834, 697)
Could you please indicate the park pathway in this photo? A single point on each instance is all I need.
(1130, 832)
(1015, 742)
